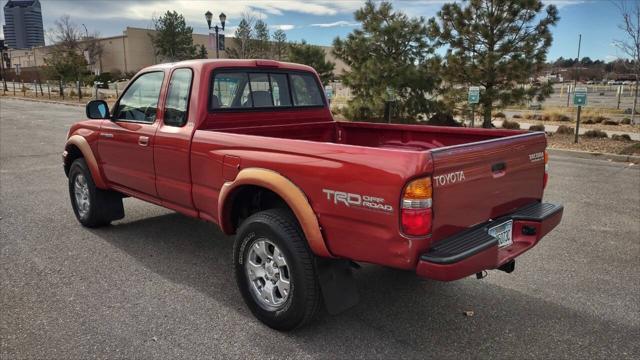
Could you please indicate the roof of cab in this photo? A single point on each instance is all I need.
(230, 63)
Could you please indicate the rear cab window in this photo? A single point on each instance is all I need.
(249, 90)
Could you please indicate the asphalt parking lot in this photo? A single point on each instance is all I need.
(159, 285)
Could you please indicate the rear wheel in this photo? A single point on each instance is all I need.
(275, 270)
(93, 207)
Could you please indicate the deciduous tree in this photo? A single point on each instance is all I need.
(630, 25)
(65, 60)
(495, 44)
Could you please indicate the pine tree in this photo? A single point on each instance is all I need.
(389, 51)
(280, 45)
(173, 39)
(261, 41)
(202, 52)
(313, 56)
(497, 45)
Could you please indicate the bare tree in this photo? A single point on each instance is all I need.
(630, 11)
(94, 50)
(65, 34)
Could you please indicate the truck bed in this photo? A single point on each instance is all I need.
(387, 136)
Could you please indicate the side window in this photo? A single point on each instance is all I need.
(178, 97)
(231, 90)
(305, 90)
(140, 101)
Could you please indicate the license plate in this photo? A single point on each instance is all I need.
(503, 233)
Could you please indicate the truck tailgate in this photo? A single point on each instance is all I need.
(476, 182)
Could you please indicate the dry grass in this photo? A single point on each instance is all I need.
(555, 116)
(601, 145)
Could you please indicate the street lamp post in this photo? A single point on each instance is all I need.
(223, 18)
(3, 57)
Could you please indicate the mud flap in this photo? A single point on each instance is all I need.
(337, 284)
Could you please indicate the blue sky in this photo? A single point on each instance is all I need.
(320, 21)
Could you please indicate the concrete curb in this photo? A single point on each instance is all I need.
(46, 101)
(596, 155)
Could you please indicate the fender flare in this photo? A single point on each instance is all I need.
(81, 143)
(288, 191)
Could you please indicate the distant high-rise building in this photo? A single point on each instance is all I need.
(23, 24)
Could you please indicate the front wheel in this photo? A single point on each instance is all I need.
(275, 270)
(93, 207)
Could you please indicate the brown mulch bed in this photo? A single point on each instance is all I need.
(608, 146)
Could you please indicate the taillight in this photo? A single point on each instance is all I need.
(416, 207)
(545, 179)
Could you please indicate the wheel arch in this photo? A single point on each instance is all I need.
(257, 179)
(78, 147)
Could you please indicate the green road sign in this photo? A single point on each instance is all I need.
(580, 96)
(474, 95)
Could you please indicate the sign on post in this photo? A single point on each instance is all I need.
(474, 95)
(580, 96)
(391, 93)
(328, 91)
(221, 42)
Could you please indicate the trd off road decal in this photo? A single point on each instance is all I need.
(450, 178)
(357, 200)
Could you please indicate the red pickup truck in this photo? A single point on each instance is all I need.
(251, 146)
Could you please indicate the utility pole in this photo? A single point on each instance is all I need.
(575, 82)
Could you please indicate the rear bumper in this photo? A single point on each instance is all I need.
(474, 250)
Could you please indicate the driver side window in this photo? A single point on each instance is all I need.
(140, 102)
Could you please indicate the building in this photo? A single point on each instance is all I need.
(23, 24)
(130, 52)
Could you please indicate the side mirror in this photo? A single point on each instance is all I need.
(97, 109)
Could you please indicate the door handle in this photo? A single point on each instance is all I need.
(106, 135)
(143, 140)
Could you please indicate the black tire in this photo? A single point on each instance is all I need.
(281, 228)
(104, 205)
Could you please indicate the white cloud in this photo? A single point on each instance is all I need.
(283, 27)
(340, 23)
(562, 3)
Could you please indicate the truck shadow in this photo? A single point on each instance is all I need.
(398, 315)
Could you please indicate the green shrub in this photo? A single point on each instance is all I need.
(595, 133)
(443, 119)
(499, 115)
(538, 127)
(609, 122)
(517, 116)
(506, 124)
(625, 121)
(565, 130)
